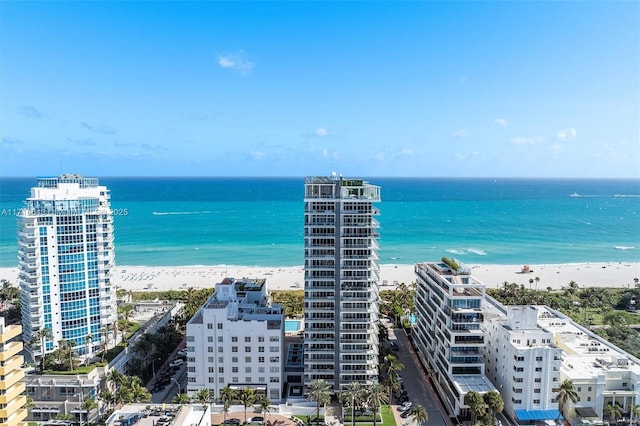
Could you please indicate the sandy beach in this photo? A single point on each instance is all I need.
(156, 278)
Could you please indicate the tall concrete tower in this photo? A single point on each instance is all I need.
(341, 281)
(66, 258)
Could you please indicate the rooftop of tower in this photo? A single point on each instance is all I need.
(53, 182)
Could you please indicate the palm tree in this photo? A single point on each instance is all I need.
(265, 406)
(116, 378)
(353, 395)
(566, 393)
(320, 392)
(247, 397)
(635, 412)
(476, 404)
(227, 395)
(203, 396)
(537, 280)
(88, 405)
(376, 396)
(42, 335)
(495, 402)
(613, 411)
(181, 398)
(419, 414)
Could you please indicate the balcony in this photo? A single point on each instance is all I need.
(13, 407)
(8, 332)
(11, 365)
(11, 379)
(12, 393)
(10, 349)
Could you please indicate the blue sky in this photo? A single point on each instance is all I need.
(414, 88)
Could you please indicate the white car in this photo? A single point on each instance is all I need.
(176, 363)
(405, 406)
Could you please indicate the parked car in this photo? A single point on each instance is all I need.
(394, 346)
(405, 406)
(231, 421)
(176, 363)
(406, 413)
(256, 419)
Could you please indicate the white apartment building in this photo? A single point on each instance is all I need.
(342, 278)
(237, 339)
(448, 335)
(522, 362)
(66, 258)
(601, 373)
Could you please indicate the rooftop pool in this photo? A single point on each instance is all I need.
(292, 325)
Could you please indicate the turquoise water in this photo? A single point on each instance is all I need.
(259, 221)
(292, 325)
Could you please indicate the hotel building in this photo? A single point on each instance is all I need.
(342, 277)
(448, 335)
(66, 257)
(237, 339)
(12, 400)
(522, 362)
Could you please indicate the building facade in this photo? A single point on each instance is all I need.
(448, 335)
(65, 259)
(12, 400)
(341, 281)
(236, 339)
(523, 363)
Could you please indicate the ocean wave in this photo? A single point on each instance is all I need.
(477, 251)
(456, 251)
(625, 247)
(181, 213)
(627, 195)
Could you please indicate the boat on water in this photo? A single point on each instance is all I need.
(575, 194)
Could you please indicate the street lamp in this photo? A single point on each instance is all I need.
(176, 382)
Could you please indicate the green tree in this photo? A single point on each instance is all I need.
(320, 392)
(42, 336)
(566, 393)
(88, 406)
(476, 404)
(353, 395)
(246, 397)
(613, 411)
(419, 414)
(181, 398)
(635, 413)
(227, 395)
(376, 397)
(203, 396)
(265, 406)
(494, 401)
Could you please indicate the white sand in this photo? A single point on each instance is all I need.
(148, 278)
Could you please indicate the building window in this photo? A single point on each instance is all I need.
(220, 359)
(220, 339)
(234, 339)
(234, 369)
(536, 401)
(212, 379)
(260, 348)
(274, 338)
(220, 370)
(247, 359)
(260, 359)
(538, 369)
(219, 326)
(209, 326)
(538, 358)
(247, 339)
(260, 338)
(210, 339)
(247, 348)
(234, 359)
(212, 370)
(210, 348)
(234, 349)
(538, 380)
(247, 370)
(274, 348)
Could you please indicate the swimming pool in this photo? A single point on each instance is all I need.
(291, 326)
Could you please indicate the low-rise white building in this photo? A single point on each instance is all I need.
(237, 339)
(601, 373)
(522, 362)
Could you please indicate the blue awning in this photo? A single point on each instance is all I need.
(537, 414)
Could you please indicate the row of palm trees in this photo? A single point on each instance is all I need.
(247, 397)
(358, 397)
(478, 404)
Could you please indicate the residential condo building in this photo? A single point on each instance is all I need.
(449, 337)
(65, 259)
(12, 400)
(237, 339)
(342, 277)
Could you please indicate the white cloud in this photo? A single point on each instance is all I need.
(567, 134)
(501, 121)
(461, 133)
(521, 140)
(237, 61)
(257, 155)
(321, 132)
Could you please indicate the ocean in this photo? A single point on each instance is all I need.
(259, 221)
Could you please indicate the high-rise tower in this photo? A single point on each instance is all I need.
(341, 281)
(66, 258)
